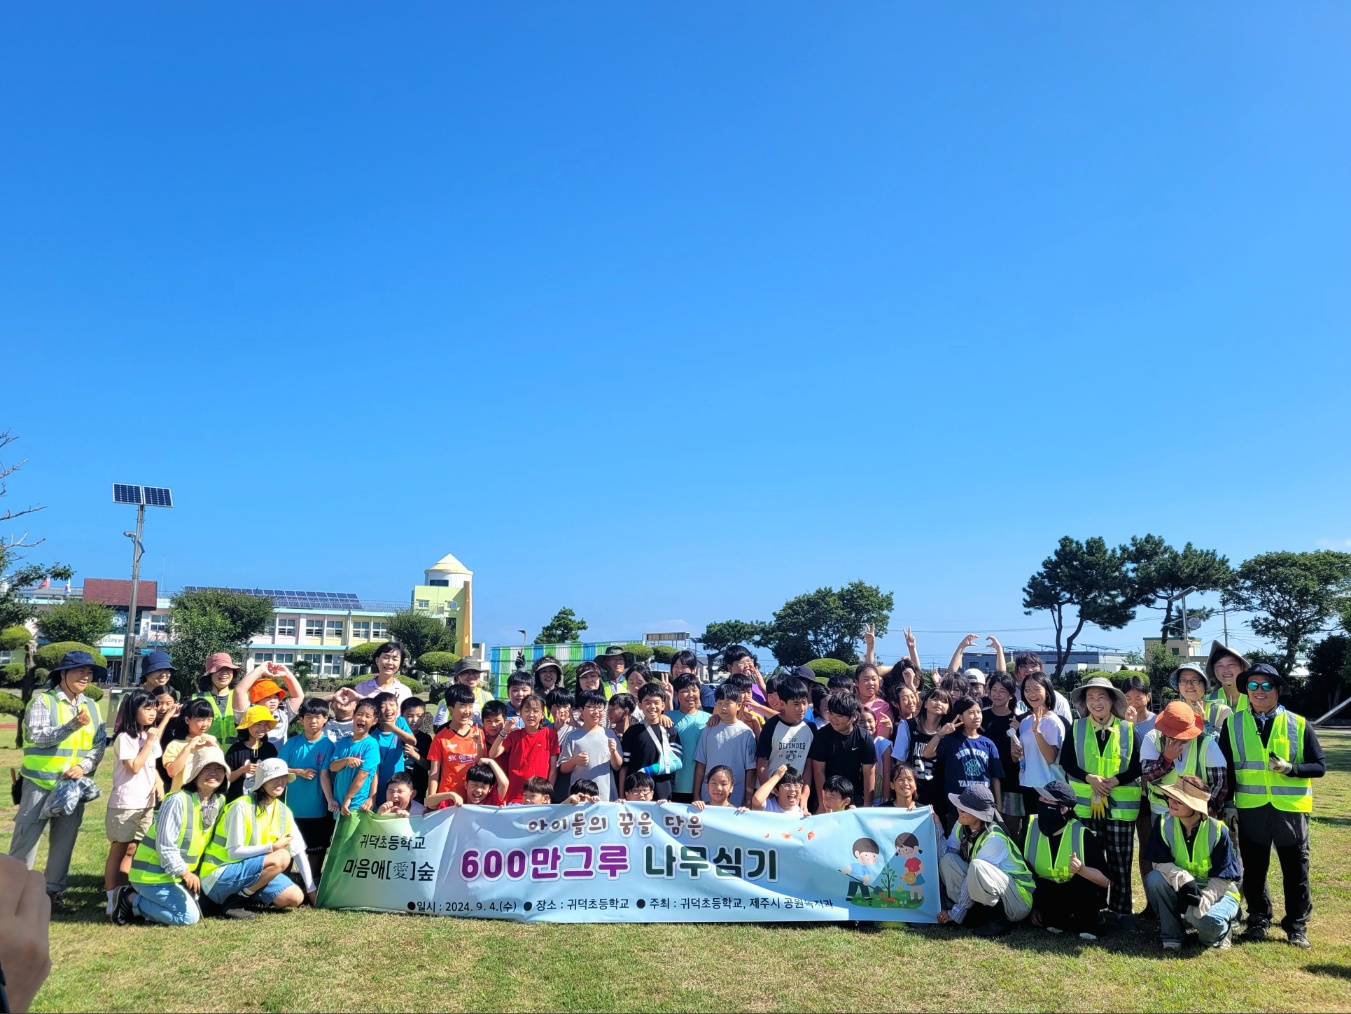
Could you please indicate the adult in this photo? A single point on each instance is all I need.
(1223, 666)
(385, 665)
(214, 685)
(1272, 757)
(261, 688)
(468, 672)
(548, 673)
(63, 739)
(986, 883)
(1180, 745)
(611, 662)
(156, 670)
(1069, 865)
(1101, 758)
(1195, 869)
(1025, 663)
(164, 882)
(1192, 684)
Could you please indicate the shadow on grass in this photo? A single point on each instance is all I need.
(1334, 971)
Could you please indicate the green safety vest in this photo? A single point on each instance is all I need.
(145, 864)
(216, 855)
(44, 765)
(1055, 867)
(1257, 785)
(1021, 876)
(1217, 696)
(1124, 800)
(222, 722)
(1192, 762)
(1195, 860)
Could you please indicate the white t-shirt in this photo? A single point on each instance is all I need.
(788, 744)
(772, 806)
(133, 791)
(397, 687)
(1151, 749)
(1034, 770)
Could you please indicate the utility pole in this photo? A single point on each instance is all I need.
(129, 638)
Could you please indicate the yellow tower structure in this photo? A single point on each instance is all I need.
(447, 594)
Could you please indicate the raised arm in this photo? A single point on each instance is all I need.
(955, 665)
(241, 697)
(912, 649)
(998, 649)
(763, 793)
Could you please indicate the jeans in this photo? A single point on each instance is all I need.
(986, 884)
(1211, 928)
(28, 828)
(232, 879)
(167, 904)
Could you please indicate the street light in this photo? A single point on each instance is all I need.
(1186, 633)
(141, 496)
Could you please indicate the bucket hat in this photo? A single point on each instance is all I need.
(1060, 792)
(220, 660)
(200, 759)
(257, 713)
(1190, 791)
(1099, 683)
(263, 689)
(1188, 667)
(156, 661)
(75, 659)
(273, 767)
(1179, 721)
(1217, 652)
(545, 662)
(976, 800)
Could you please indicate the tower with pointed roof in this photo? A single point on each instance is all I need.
(447, 594)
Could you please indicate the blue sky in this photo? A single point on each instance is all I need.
(670, 312)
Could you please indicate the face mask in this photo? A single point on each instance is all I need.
(1050, 819)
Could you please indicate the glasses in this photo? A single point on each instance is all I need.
(1191, 683)
(1265, 685)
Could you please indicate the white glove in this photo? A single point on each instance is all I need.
(1281, 767)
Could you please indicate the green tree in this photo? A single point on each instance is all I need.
(438, 662)
(564, 627)
(638, 652)
(361, 655)
(1326, 686)
(1294, 595)
(209, 620)
(827, 623)
(49, 655)
(724, 633)
(1089, 578)
(419, 634)
(76, 620)
(1160, 572)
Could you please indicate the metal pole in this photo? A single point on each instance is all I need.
(129, 639)
(1186, 631)
(1224, 611)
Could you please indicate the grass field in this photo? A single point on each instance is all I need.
(317, 960)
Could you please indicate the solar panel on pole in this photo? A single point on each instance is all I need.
(123, 493)
(158, 496)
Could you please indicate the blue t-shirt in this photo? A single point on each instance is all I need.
(688, 728)
(391, 751)
(305, 796)
(968, 762)
(369, 752)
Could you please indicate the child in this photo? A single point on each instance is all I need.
(560, 711)
(999, 725)
(136, 785)
(250, 749)
(537, 792)
(904, 787)
(749, 709)
(493, 717)
(688, 725)
(967, 758)
(720, 784)
(584, 790)
(456, 747)
(882, 751)
(619, 714)
(870, 696)
(342, 704)
(842, 748)
(837, 794)
(781, 792)
(520, 686)
(591, 752)
(787, 737)
(485, 784)
(648, 747)
(391, 734)
(308, 756)
(639, 787)
(528, 751)
(356, 762)
(399, 799)
(413, 710)
(261, 686)
(197, 718)
(729, 744)
(908, 864)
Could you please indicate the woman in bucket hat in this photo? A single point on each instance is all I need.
(468, 672)
(1192, 683)
(63, 737)
(986, 883)
(156, 670)
(1224, 666)
(254, 844)
(1196, 869)
(214, 686)
(164, 883)
(1101, 759)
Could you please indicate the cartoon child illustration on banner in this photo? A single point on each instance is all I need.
(860, 873)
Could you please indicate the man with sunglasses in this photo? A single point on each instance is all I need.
(1272, 755)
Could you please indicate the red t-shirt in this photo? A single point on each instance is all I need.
(527, 755)
(456, 754)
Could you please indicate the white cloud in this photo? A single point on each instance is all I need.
(1334, 543)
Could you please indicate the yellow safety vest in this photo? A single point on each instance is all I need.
(1257, 785)
(1055, 867)
(145, 864)
(1192, 762)
(1021, 876)
(1217, 696)
(223, 721)
(277, 819)
(44, 765)
(1124, 800)
(1195, 860)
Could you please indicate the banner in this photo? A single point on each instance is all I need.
(637, 862)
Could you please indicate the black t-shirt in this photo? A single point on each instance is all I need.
(996, 729)
(418, 770)
(640, 750)
(843, 755)
(239, 754)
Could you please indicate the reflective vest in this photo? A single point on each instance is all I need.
(275, 823)
(1124, 800)
(145, 864)
(44, 765)
(1256, 784)
(222, 722)
(1195, 860)
(1217, 695)
(1020, 875)
(1055, 867)
(1191, 762)
(1210, 714)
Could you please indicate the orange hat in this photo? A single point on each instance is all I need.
(264, 689)
(1178, 721)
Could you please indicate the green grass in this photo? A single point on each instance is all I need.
(317, 960)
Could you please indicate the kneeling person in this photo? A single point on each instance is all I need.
(985, 879)
(1069, 864)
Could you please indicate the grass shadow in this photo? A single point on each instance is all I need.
(1335, 971)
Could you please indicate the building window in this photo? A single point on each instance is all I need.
(1175, 651)
(286, 626)
(361, 630)
(424, 603)
(378, 630)
(334, 628)
(332, 666)
(159, 623)
(315, 661)
(314, 627)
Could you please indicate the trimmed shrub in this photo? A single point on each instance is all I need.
(828, 667)
(14, 638)
(12, 673)
(438, 662)
(361, 654)
(665, 653)
(94, 693)
(10, 704)
(49, 655)
(638, 652)
(416, 688)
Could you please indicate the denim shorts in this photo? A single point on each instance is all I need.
(235, 877)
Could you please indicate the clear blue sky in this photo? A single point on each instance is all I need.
(670, 312)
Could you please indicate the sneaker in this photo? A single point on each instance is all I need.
(1172, 946)
(1088, 936)
(1222, 944)
(235, 912)
(59, 905)
(1298, 938)
(993, 928)
(1254, 934)
(123, 913)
